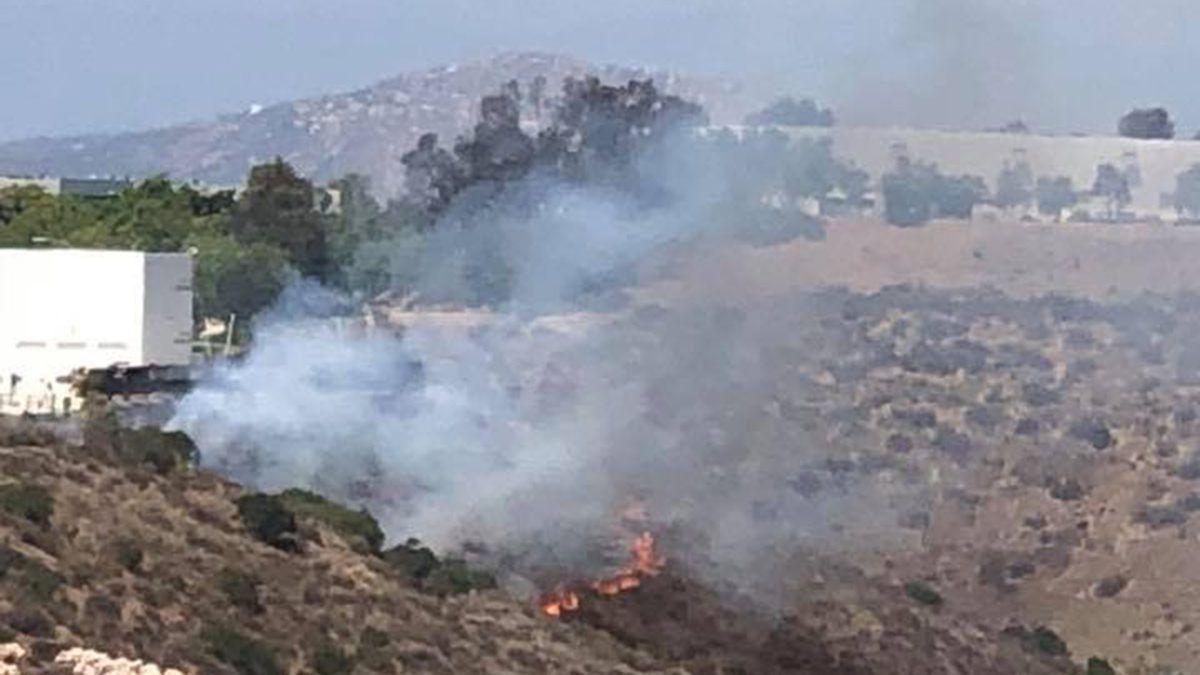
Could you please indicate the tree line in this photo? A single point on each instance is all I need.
(250, 244)
(915, 192)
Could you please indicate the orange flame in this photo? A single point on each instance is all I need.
(558, 602)
(644, 561)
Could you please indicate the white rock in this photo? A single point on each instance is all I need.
(91, 662)
(11, 653)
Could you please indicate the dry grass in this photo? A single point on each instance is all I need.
(193, 562)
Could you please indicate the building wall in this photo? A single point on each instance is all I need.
(63, 310)
(167, 324)
(78, 187)
(983, 154)
(48, 185)
(94, 187)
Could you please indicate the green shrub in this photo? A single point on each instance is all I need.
(443, 577)
(453, 577)
(268, 520)
(240, 589)
(101, 430)
(1040, 639)
(164, 451)
(1099, 666)
(245, 655)
(923, 593)
(128, 554)
(38, 582)
(329, 659)
(9, 560)
(372, 648)
(29, 502)
(1048, 642)
(413, 561)
(360, 530)
(161, 451)
(28, 621)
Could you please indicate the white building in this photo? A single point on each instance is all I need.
(64, 310)
(78, 187)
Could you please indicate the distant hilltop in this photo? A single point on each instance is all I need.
(364, 131)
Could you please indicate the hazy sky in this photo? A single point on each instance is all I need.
(69, 66)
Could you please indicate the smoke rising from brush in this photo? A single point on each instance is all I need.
(966, 65)
(547, 417)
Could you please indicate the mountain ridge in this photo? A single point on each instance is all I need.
(364, 130)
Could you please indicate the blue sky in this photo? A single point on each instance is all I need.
(70, 66)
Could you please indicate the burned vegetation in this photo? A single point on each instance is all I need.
(948, 432)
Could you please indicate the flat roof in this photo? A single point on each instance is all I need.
(90, 252)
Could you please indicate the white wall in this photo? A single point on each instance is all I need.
(49, 185)
(983, 154)
(167, 319)
(62, 310)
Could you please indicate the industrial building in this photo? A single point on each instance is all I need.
(77, 187)
(65, 311)
(1155, 163)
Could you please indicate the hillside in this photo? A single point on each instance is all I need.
(109, 542)
(1005, 415)
(364, 131)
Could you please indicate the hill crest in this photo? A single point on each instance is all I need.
(365, 131)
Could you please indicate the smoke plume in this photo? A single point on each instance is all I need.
(527, 427)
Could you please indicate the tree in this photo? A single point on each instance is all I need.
(355, 223)
(595, 132)
(788, 111)
(431, 174)
(1147, 123)
(957, 196)
(537, 94)
(1187, 191)
(1054, 195)
(1014, 185)
(1016, 127)
(233, 278)
(14, 200)
(204, 204)
(596, 137)
(906, 194)
(278, 209)
(499, 151)
(599, 129)
(51, 219)
(153, 215)
(1113, 185)
(915, 192)
(512, 90)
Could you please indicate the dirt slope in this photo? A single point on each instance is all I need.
(72, 585)
(1094, 261)
(152, 562)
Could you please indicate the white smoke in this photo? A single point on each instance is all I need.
(532, 424)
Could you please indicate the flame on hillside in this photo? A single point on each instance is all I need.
(644, 561)
(554, 604)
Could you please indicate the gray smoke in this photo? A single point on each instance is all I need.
(952, 64)
(547, 418)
